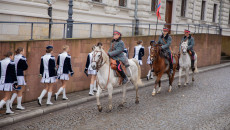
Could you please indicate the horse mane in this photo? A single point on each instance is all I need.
(104, 54)
(161, 53)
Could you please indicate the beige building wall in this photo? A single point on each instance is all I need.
(108, 11)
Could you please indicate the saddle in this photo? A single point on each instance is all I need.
(113, 65)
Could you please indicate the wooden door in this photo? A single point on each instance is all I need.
(168, 14)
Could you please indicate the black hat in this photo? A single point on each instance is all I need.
(49, 46)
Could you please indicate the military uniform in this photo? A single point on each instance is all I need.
(166, 41)
(116, 52)
(191, 44)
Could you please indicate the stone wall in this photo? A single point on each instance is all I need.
(225, 45)
(208, 48)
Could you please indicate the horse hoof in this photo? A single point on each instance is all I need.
(153, 94)
(110, 108)
(179, 86)
(169, 90)
(99, 108)
(121, 105)
(193, 79)
(158, 92)
(137, 101)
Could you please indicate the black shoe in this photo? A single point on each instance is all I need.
(193, 68)
(178, 67)
(39, 103)
(125, 80)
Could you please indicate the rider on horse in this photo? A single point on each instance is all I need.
(116, 52)
(191, 43)
(165, 40)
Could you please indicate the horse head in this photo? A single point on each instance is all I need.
(97, 58)
(184, 46)
(155, 51)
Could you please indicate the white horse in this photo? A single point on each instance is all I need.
(185, 64)
(106, 76)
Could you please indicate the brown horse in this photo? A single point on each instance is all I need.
(160, 66)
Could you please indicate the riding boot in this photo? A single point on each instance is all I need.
(170, 62)
(123, 75)
(171, 68)
(192, 65)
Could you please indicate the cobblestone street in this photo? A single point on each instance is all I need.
(204, 104)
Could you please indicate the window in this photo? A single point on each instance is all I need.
(203, 10)
(154, 5)
(122, 3)
(229, 17)
(214, 13)
(183, 8)
(97, 0)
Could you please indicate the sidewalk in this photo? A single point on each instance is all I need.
(34, 110)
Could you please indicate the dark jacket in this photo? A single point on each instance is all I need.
(165, 42)
(64, 63)
(9, 73)
(51, 66)
(21, 64)
(191, 42)
(116, 51)
(141, 52)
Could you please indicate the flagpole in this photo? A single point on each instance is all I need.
(156, 27)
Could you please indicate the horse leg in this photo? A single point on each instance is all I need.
(186, 76)
(180, 72)
(159, 89)
(193, 76)
(110, 90)
(98, 100)
(156, 82)
(137, 96)
(170, 82)
(124, 96)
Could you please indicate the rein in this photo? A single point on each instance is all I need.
(99, 65)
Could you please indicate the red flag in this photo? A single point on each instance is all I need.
(158, 10)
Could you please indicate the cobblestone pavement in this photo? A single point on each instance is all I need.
(204, 104)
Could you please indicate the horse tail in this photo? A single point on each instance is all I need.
(139, 81)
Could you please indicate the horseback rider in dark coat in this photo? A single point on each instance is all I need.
(191, 43)
(116, 52)
(165, 40)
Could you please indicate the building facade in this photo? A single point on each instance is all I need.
(199, 12)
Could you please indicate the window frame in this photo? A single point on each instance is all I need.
(154, 8)
(99, 1)
(203, 9)
(124, 2)
(183, 8)
(214, 13)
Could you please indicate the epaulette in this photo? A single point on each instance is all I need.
(23, 58)
(52, 57)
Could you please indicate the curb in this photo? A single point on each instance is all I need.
(46, 110)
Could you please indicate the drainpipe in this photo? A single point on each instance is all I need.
(193, 9)
(220, 17)
(136, 19)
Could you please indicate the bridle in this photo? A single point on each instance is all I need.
(99, 63)
(153, 50)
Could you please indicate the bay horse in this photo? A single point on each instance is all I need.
(160, 66)
(185, 63)
(106, 76)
